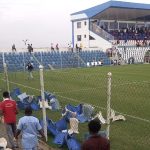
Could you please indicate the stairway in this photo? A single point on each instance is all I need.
(102, 33)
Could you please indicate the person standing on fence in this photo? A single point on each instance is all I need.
(52, 47)
(8, 109)
(30, 127)
(30, 48)
(77, 48)
(30, 68)
(57, 47)
(13, 48)
(95, 141)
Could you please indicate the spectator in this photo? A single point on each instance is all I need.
(70, 47)
(8, 109)
(77, 48)
(29, 48)
(57, 47)
(95, 141)
(80, 48)
(29, 126)
(52, 47)
(100, 62)
(30, 68)
(13, 48)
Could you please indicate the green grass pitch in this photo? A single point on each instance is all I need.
(130, 96)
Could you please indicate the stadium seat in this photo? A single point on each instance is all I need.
(77, 109)
(54, 104)
(50, 127)
(20, 105)
(61, 124)
(15, 92)
(72, 143)
(60, 139)
(82, 118)
(35, 106)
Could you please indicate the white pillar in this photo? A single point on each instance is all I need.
(108, 102)
(43, 100)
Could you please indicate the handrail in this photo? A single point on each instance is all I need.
(98, 30)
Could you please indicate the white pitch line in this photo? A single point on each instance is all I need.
(79, 90)
(134, 117)
(131, 116)
(138, 118)
(23, 85)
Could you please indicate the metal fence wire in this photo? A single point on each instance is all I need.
(119, 93)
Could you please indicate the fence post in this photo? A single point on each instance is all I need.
(24, 65)
(60, 60)
(108, 102)
(43, 101)
(6, 76)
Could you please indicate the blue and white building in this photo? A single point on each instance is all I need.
(92, 27)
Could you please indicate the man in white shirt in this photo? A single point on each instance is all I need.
(29, 126)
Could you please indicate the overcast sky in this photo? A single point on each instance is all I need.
(41, 21)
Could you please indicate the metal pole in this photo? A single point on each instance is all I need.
(78, 58)
(60, 60)
(41, 56)
(24, 65)
(43, 100)
(6, 76)
(3, 58)
(108, 102)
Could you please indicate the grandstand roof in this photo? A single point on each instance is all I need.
(116, 10)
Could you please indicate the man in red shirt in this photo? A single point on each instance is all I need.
(8, 109)
(95, 141)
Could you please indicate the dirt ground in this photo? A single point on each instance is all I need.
(42, 145)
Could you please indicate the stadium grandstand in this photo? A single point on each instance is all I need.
(124, 25)
(114, 32)
(72, 88)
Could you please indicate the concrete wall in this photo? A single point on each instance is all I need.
(86, 43)
(99, 42)
(84, 30)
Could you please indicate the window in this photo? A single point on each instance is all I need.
(85, 23)
(78, 24)
(84, 35)
(91, 38)
(78, 37)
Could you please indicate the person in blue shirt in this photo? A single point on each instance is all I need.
(29, 127)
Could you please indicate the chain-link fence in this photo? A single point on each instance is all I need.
(129, 98)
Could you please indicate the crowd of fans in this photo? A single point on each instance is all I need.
(132, 33)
